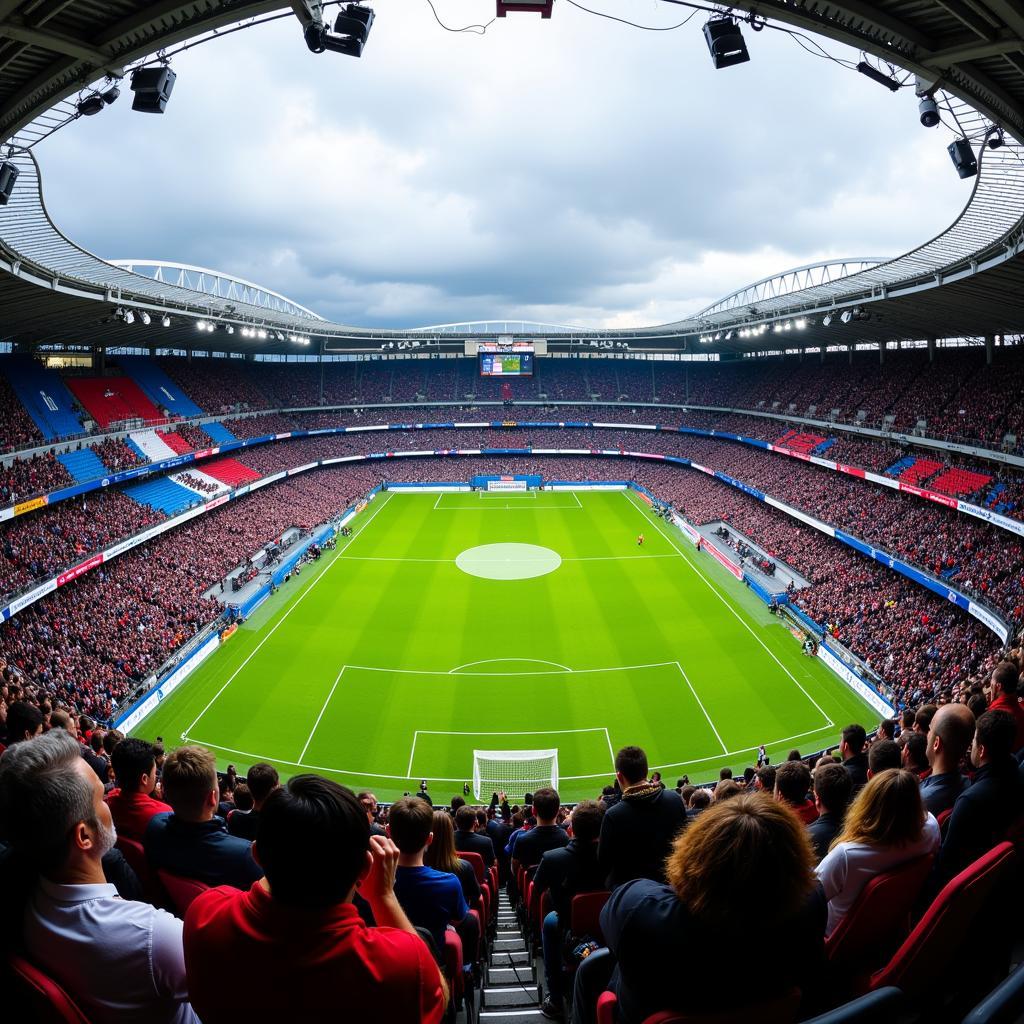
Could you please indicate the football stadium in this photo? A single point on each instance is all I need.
(661, 626)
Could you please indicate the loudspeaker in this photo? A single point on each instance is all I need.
(8, 176)
(152, 88)
(962, 155)
(725, 41)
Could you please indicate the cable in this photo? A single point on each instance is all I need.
(477, 30)
(633, 24)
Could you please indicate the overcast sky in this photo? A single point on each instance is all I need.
(570, 171)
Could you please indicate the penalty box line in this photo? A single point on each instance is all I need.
(538, 732)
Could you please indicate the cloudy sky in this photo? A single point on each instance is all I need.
(570, 171)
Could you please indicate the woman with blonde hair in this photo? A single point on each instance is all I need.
(740, 871)
(885, 826)
(441, 855)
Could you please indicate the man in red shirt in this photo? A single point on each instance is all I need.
(132, 804)
(792, 781)
(297, 931)
(1004, 697)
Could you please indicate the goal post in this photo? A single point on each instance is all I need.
(515, 772)
(507, 485)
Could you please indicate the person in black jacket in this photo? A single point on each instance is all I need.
(468, 840)
(983, 812)
(832, 788)
(637, 833)
(566, 873)
(544, 836)
(855, 759)
(743, 868)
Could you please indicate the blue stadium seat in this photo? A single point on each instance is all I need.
(83, 465)
(158, 387)
(164, 495)
(883, 1005)
(219, 434)
(1003, 1005)
(44, 396)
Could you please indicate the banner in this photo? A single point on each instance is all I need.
(719, 557)
(860, 686)
(31, 505)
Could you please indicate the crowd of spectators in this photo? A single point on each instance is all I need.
(116, 455)
(17, 428)
(197, 483)
(194, 434)
(25, 478)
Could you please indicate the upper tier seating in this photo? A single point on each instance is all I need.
(229, 471)
(919, 471)
(176, 442)
(83, 464)
(45, 396)
(163, 494)
(162, 391)
(151, 445)
(112, 399)
(800, 442)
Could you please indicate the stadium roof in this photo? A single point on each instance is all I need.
(967, 281)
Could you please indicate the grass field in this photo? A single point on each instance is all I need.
(386, 662)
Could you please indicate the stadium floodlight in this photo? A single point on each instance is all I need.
(8, 176)
(846, 316)
(229, 329)
(826, 320)
(165, 321)
(778, 328)
(144, 317)
(801, 324)
(152, 88)
(90, 105)
(878, 76)
(928, 111)
(351, 30)
(996, 140)
(725, 42)
(261, 334)
(128, 316)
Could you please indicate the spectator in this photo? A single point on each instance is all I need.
(792, 781)
(923, 718)
(262, 779)
(949, 740)
(743, 868)
(131, 803)
(851, 750)
(995, 798)
(369, 804)
(441, 855)
(638, 832)
(468, 840)
(764, 780)
(24, 722)
(191, 841)
(887, 729)
(565, 873)
(886, 826)
(883, 755)
(700, 801)
(121, 961)
(546, 835)
(726, 789)
(432, 899)
(915, 754)
(305, 948)
(832, 788)
(1005, 679)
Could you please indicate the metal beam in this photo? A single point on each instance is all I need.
(56, 42)
(974, 51)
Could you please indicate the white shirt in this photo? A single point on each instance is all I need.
(848, 867)
(121, 961)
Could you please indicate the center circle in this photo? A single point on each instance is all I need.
(508, 561)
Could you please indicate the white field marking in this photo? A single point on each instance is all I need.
(434, 778)
(505, 675)
(728, 604)
(500, 661)
(309, 738)
(700, 703)
(302, 597)
(611, 752)
(412, 753)
(507, 494)
(587, 558)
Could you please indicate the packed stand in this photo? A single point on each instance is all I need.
(17, 429)
(116, 455)
(24, 478)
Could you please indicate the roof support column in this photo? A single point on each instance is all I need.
(849, 354)
(320, 359)
(881, 353)
(990, 344)
(931, 350)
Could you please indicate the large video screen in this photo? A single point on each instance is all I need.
(507, 363)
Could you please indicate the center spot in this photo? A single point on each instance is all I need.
(508, 561)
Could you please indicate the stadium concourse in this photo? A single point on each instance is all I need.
(132, 495)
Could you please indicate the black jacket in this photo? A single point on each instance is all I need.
(857, 768)
(475, 842)
(637, 834)
(568, 872)
(822, 831)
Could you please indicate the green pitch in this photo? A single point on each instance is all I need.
(386, 662)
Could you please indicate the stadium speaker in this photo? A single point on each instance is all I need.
(152, 88)
(8, 176)
(725, 41)
(962, 155)
(928, 111)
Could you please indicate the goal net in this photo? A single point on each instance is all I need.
(515, 771)
(507, 485)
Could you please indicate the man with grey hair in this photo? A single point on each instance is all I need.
(121, 961)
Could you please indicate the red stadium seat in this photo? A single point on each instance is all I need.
(41, 996)
(585, 916)
(477, 861)
(182, 891)
(879, 918)
(780, 1010)
(135, 855)
(947, 927)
